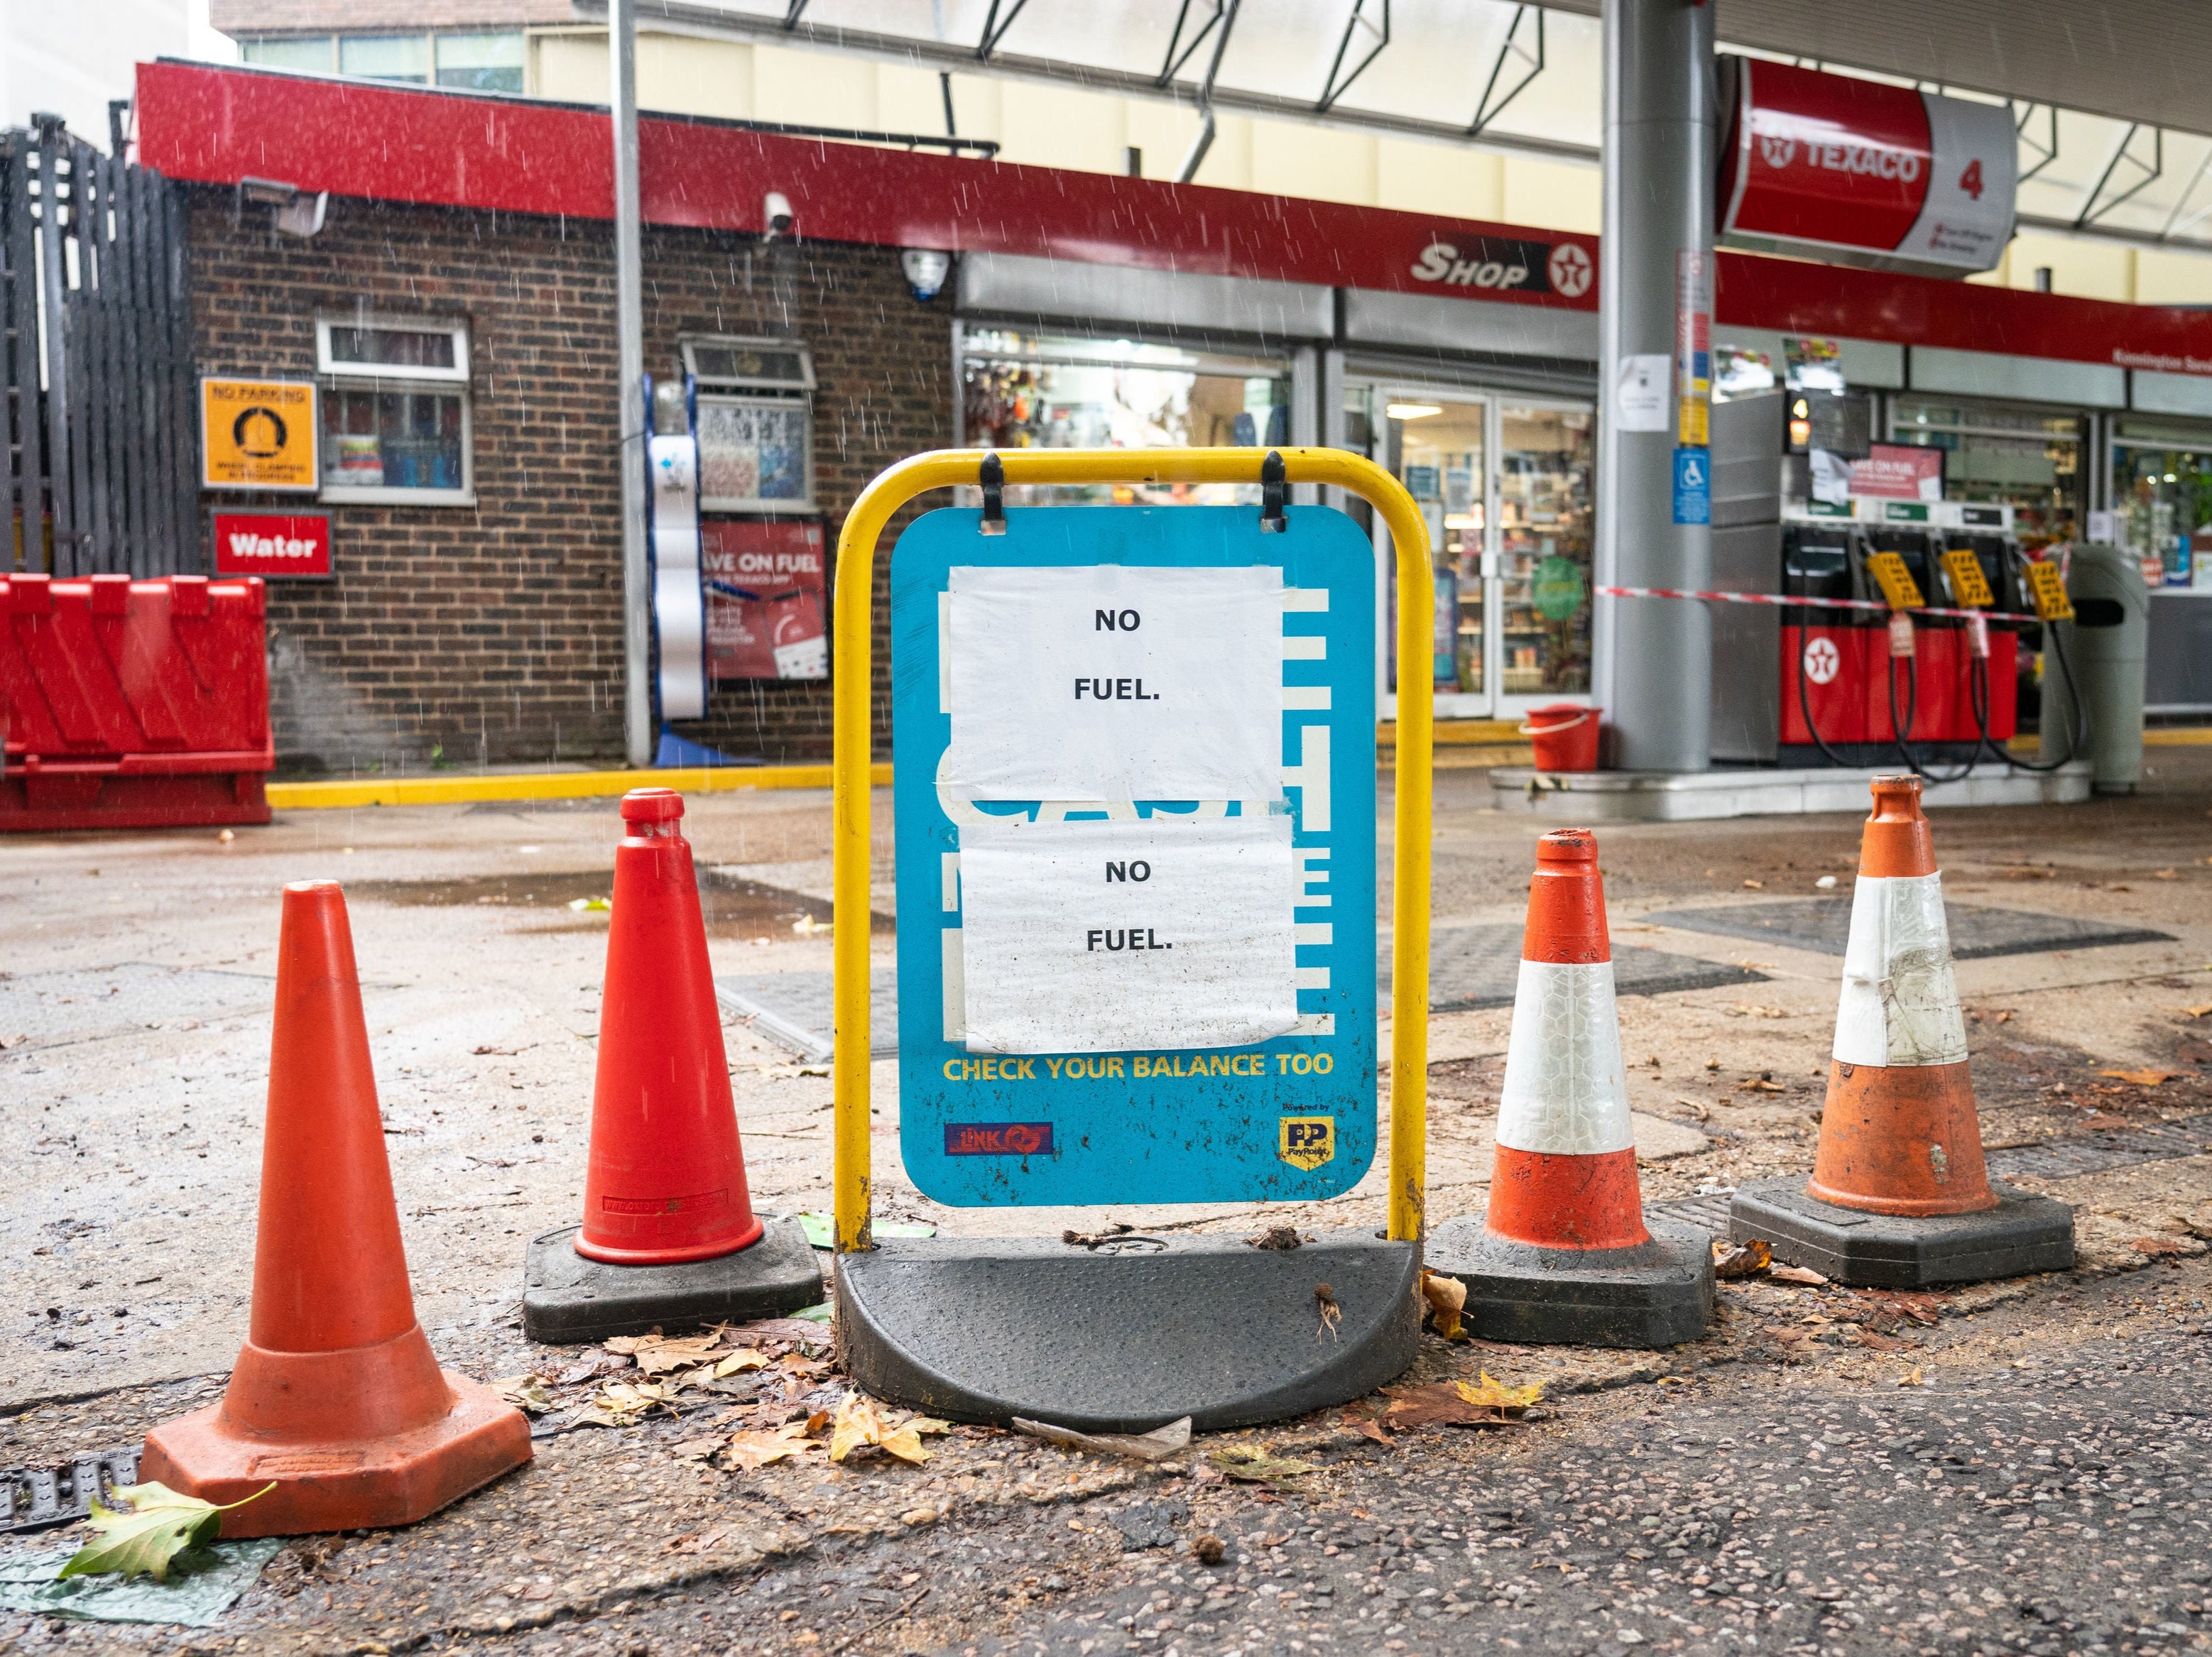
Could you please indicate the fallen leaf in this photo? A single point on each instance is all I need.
(1282, 1238)
(695, 1449)
(1447, 1300)
(2194, 1013)
(1877, 1343)
(623, 1403)
(738, 1363)
(1331, 1314)
(1912, 1378)
(1743, 1260)
(656, 1355)
(751, 1451)
(525, 1393)
(858, 1426)
(1455, 1403)
(1755, 885)
(1158, 1445)
(2142, 1078)
(1752, 1010)
(149, 1527)
(2166, 874)
(1804, 1274)
(1497, 1393)
(1762, 1086)
(1363, 1422)
(1251, 1464)
(2005, 1018)
(2155, 1246)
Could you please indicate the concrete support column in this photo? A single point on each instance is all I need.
(1653, 656)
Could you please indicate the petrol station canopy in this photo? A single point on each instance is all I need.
(2114, 114)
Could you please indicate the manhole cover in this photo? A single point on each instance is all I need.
(1823, 924)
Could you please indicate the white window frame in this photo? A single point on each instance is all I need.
(739, 392)
(333, 376)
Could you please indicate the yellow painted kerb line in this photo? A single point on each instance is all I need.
(851, 757)
(546, 784)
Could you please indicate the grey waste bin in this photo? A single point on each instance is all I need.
(2107, 644)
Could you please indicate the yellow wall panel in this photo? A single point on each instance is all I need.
(1554, 194)
(1431, 178)
(1320, 163)
(813, 88)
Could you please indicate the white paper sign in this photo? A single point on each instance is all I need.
(1098, 936)
(1640, 399)
(1107, 681)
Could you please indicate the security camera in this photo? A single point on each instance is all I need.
(775, 213)
(926, 268)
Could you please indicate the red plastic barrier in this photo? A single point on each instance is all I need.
(132, 704)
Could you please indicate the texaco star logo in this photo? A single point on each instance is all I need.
(1823, 661)
(1570, 270)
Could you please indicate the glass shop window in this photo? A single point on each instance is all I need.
(396, 417)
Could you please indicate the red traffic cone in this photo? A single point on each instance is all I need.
(669, 1234)
(1565, 1252)
(336, 1401)
(1899, 1138)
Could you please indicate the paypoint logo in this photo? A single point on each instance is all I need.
(998, 1140)
(1307, 1142)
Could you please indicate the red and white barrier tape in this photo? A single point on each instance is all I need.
(1806, 603)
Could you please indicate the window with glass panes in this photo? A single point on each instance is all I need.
(395, 409)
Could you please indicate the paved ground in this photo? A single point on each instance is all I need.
(2041, 1484)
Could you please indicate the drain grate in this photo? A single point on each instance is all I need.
(2108, 1148)
(2055, 1159)
(1825, 923)
(797, 1010)
(33, 1498)
(81, 1004)
(1472, 967)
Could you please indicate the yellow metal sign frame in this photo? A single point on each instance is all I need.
(851, 760)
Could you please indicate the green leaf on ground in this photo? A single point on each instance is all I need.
(151, 1528)
(821, 1228)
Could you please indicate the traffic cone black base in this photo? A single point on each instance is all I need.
(567, 1299)
(1651, 1294)
(2023, 1233)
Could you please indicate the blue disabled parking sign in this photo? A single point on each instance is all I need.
(1693, 486)
(1135, 792)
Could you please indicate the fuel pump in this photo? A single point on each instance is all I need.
(1826, 652)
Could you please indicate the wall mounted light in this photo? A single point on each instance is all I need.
(926, 270)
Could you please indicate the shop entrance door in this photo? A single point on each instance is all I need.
(1437, 444)
(1505, 482)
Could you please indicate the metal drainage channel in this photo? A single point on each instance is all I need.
(2053, 1159)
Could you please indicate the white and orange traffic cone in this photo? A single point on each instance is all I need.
(1900, 1196)
(1565, 1252)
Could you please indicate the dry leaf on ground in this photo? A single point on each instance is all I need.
(1753, 1010)
(1880, 1343)
(624, 1403)
(1455, 1403)
(2142, 1078)
(1912, 1377)
(1364, 1423)
(1281, 1238)
(1253, 1464)
(1156, 1446)
(525, 1393)
(859, 1425)
(1803, 1274)
(1447, 1299)
(751, 1451)
(1743, 1260)
(2155, 1246)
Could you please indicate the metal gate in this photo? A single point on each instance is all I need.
(97, 355)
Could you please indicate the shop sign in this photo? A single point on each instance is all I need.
(258, 435)
(1898, 472)
(1860, 173)
(765, 599)
(273, 545)
(1494, 267)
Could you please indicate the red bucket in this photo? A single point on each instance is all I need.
(1564, 737)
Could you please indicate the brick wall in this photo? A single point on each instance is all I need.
(492, 633)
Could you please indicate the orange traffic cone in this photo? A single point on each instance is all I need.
(669, 1235)
(337, 1401)
(1565, 1252)
(1899, 1140)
